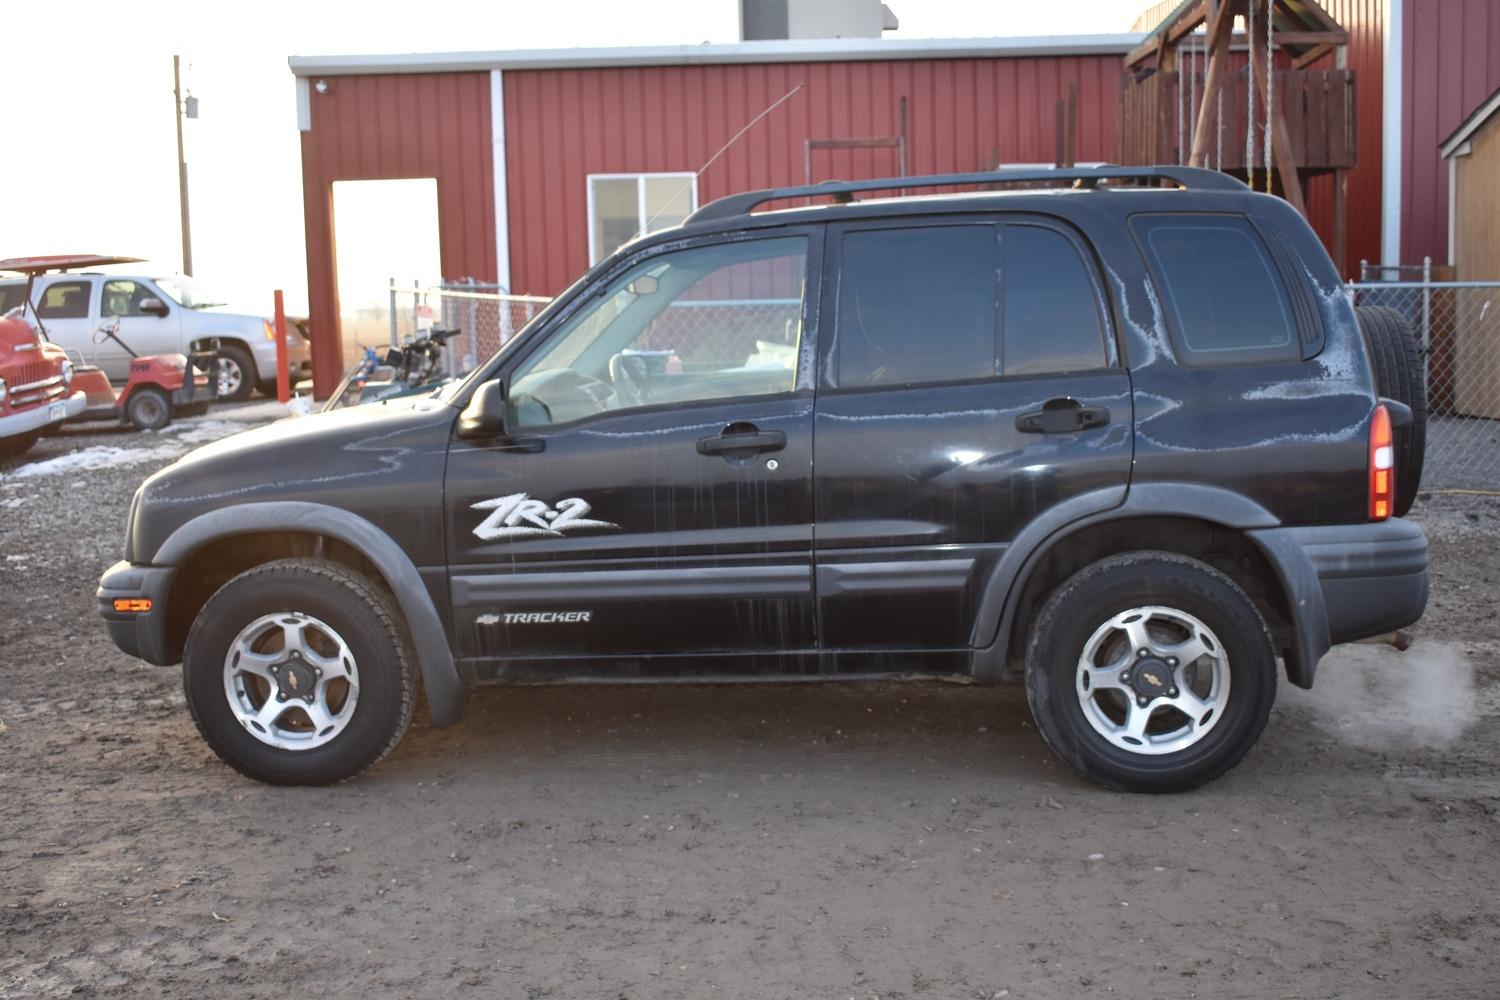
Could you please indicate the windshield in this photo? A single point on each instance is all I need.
(188, 293)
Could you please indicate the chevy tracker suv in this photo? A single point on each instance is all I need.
(1124, 441)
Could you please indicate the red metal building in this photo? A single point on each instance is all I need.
(545, 160)
(575, 128)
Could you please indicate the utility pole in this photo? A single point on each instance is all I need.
(182, 180)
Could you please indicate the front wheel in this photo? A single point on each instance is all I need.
(296, 673)
(149, 409)
(18, 444)
(235, 379)
(1150, 672)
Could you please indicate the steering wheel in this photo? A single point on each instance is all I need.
(631, 377)
(106, 330)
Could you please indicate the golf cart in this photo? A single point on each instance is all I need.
(156, 386)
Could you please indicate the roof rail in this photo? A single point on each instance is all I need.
(1196, 178)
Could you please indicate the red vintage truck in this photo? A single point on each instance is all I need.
(36, 386)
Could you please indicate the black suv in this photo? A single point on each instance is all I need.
(1126, 440)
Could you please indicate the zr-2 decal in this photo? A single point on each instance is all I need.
(519, 516)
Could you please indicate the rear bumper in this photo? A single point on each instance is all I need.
(141, 634)
(1347, 582)
(42, 415)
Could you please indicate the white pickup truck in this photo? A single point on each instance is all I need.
(158, 315)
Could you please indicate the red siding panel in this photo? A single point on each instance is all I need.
(563, 125)
(1450, 62)
(1366, 57)
(388, 128)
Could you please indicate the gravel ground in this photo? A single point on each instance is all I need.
(835, 841)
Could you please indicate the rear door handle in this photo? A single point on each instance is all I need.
(1062, 415)
(735, 442)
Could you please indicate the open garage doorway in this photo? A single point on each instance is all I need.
(383, 230)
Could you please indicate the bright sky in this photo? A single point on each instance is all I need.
(90, 160)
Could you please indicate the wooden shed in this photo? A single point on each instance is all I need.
(1473, 156)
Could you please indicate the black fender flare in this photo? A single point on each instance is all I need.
(446, 690)
(1001, 596)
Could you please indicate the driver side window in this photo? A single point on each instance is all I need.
(708, 322)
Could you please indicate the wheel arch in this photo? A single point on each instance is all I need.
(1215, 525)
(214, 547)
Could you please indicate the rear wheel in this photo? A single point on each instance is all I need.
(1150, 672)
(1401, 375)
(296, 673)
(148, 409)
(236, 374)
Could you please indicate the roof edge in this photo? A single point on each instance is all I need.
(779, 51)
(1476, 119)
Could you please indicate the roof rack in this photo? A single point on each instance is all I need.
(1196, 178)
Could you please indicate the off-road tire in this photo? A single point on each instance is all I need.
(148, 408)
(230, 354)
(361, 611)
(1113, 585)
(1401, 375)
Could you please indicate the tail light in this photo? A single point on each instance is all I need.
(1382, 466)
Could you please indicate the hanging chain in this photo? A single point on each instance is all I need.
(1270, 86)
(1250, 99)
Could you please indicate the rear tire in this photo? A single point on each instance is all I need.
(148, 409)
(1150, 721)
(238, 659)
(1400, 374)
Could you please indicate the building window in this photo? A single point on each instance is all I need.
(623, 206)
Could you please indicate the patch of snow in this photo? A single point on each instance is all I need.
(99, 457)
(13, 502)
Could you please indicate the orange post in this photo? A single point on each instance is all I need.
(283, 378)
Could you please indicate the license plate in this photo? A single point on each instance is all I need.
(57, 411)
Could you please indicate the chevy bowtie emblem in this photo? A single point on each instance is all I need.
(1151, 679)
(291, 679)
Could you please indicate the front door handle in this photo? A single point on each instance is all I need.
(1062, 415)
(741, 441)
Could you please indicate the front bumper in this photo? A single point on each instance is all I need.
(1347, 582)
(42, 415)
(141, 634)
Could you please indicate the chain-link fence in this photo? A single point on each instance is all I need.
(484, 316)
(1457, 324)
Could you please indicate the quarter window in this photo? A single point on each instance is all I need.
(916, 305)
(1224, 300)
(708, 322)
(65, 300)
(1050, 304)
(624, 206)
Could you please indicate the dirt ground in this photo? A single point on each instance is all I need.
(795, 841)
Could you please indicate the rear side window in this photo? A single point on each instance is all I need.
(1049, 303)
(916, 305)
(1224, 299)
(65, 300)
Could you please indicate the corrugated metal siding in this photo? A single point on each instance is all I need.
(1451, 62)
(1366, 57)
(965, 114)
(394, 127)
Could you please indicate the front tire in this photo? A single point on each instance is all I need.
(236, 377)
(297, 673)
(1150, 672)
(18, 444)
(149, 409)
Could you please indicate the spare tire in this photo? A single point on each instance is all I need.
(1400, 374)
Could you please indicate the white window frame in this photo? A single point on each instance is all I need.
(640, 200)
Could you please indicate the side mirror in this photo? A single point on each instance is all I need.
(153, 307)
(484, 417)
